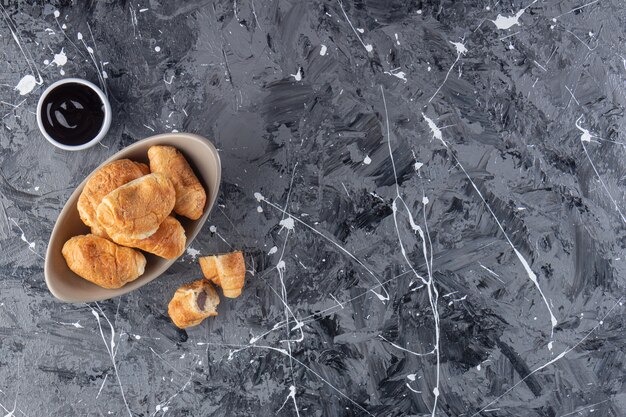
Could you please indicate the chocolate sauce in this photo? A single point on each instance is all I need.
(202, 296)
(72, 114)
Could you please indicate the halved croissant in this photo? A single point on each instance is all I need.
(228, 271)
(192, 303)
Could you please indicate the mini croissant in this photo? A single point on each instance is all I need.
(101, 183)
(138, 208)
(103, 262)
(192, 303)
(167, 242)
(228, 271)
(190, 195)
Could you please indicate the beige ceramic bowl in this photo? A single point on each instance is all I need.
(66, 285)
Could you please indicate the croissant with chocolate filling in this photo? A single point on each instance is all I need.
(101, 183)
(167, 242)
(103, 262)
(135, 210)
(228, 271)
(190, 195)
(192, 303)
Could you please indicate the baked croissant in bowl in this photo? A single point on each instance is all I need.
(228, 271)
(103, 262)
(101, 183)
(192, 303)
(135, 210)
(190, 195)
(167, 242)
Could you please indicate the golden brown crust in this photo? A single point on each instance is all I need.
(101, 183)
(190, 195)
(183, 308)
(228, 271)
(136, 209)
(167, 242)
(103, 262)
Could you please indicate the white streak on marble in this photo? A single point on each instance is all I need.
(576, 8)
(102, 386)
(31, 245)
(529, 272)
(460, 50)
(28, 82)
(367, 47)
(241, 348)
(433, 294)
(586, 137)
(259, 198)
(550, 362)
(111, 350)
(291, 396)
(432, 352)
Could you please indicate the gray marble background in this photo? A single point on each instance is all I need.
(439, 226)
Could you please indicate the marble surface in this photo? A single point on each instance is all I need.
(430, 195)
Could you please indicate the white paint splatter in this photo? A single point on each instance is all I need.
(550, 345)
(367, 160)
(46, 62)
(298, 75)
(287, 223)
(79, 36)
(397, 40)
(397, 73)
(57, 13)
(425, 200)
(460, 48)
(26, 84)
(193, 252)
(507, 22)
(77, 324)
(212, 229)
(273, 250)
(323, 50)
(418, 165)
(259, 209)
(157, 48)
(369, 47)
(60, 59)
(433, 127)
(361, 30)
(259, 197)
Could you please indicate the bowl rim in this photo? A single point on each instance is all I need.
(106, 123)
(79, 188)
